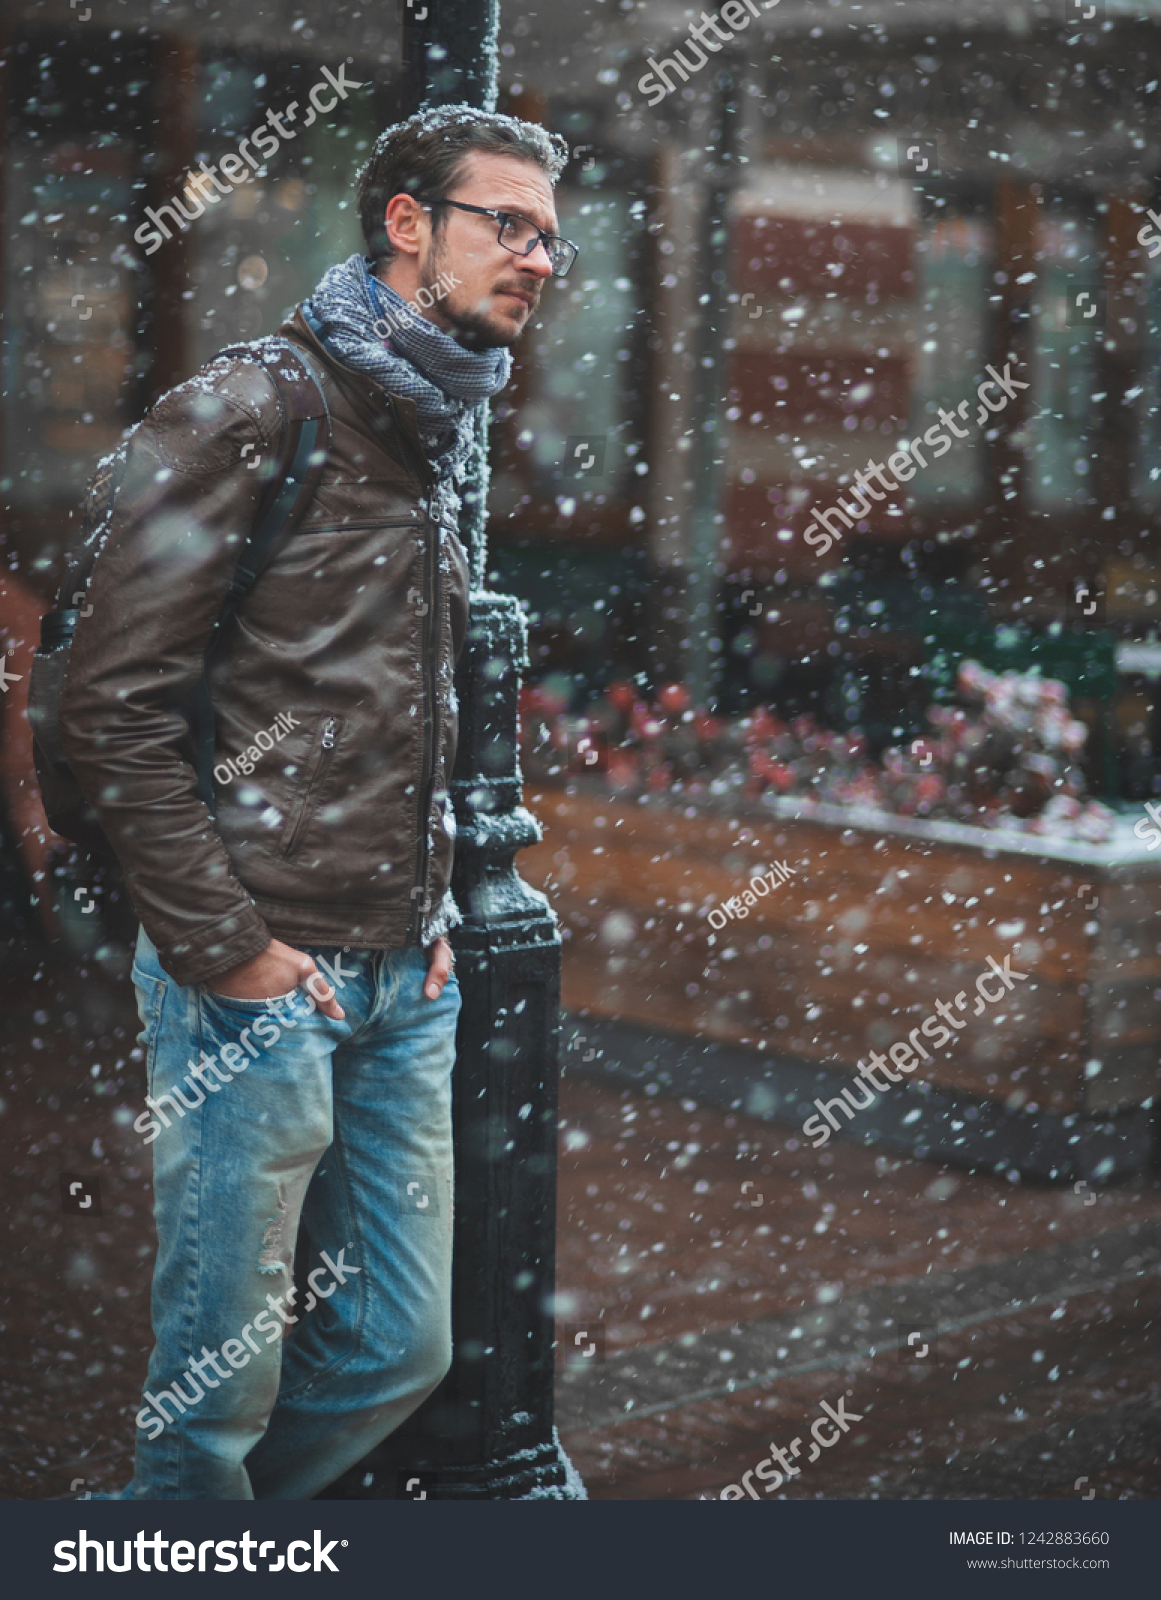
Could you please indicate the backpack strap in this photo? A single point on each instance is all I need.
(306, 437)
(319, 329)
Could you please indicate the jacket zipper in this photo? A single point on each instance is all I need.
(431, 627)
(319, 767)
(431, 634)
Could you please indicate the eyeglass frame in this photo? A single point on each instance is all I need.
(503, 217)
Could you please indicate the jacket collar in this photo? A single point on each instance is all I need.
(369, 398)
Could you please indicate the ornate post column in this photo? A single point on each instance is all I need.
(487, 1432)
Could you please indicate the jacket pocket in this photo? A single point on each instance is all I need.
(323, 740)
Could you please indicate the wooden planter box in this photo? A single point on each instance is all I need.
(881, 918)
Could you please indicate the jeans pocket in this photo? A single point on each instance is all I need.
(252, 1008)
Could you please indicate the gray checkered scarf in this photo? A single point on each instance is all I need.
(417, 361)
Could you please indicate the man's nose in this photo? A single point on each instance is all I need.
(538, 263)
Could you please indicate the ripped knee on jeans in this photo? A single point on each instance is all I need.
(274, 1240)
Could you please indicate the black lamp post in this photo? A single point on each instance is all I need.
(487, 1432)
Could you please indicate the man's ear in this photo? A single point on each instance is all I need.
(406, 224)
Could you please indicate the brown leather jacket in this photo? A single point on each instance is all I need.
(341, 655)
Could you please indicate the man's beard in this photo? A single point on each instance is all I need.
(473, 329)
(478, 332)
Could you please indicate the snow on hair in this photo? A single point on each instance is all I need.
(425, 153)
(549, 149)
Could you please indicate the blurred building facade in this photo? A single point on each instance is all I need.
(918, 192)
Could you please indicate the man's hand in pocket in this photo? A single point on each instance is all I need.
(277, 971)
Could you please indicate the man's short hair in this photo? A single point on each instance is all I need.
(425, 155)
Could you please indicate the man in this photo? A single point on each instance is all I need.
(293, 972)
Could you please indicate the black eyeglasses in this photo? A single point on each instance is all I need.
(519, 235)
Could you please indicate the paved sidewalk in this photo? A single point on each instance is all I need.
(737, 1280)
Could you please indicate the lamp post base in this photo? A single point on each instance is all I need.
(543, 1472)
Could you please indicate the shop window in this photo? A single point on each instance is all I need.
(1066, 319)
(71, 302)
(255, 253)
(822, 376)
(573, 374)
(955, 258)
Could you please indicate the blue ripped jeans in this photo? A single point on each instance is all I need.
(259, 1118)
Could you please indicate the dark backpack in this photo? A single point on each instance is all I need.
(302, 455)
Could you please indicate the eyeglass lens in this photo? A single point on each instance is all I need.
(520, 235)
